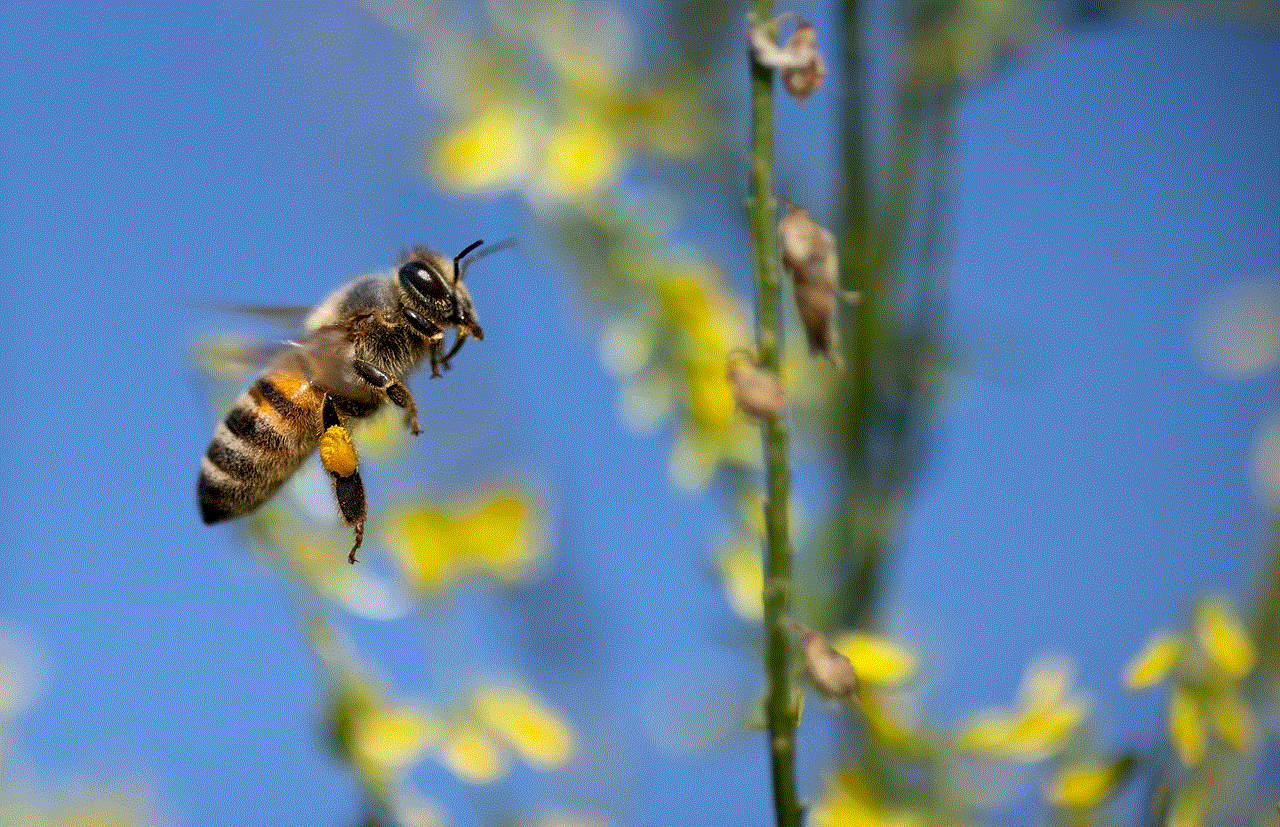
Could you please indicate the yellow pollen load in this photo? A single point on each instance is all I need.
(336, 451)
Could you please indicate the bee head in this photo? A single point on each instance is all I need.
(435, 296)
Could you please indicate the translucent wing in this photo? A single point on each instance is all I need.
(283, 315)
(231, 356)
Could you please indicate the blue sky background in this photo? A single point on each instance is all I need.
(1079, 492)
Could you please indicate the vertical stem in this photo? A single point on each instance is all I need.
(779, 709)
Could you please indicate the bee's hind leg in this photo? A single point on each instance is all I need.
(397, 392)
(338, 456)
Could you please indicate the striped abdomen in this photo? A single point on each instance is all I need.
(271, 429)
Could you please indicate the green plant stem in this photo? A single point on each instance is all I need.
(779, 704)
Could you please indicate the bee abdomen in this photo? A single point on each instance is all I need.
(255, 449)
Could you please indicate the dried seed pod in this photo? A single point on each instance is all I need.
(799, 60)
(756, 391)
(809, 255)
(831, 672)
(803, 81)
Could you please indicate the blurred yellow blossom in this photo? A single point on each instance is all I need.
(411, 810)
(742, 570)
(471, 753)
(1087, 783)
(645, 403)
(874, 659)
(625, 346)
(668, 120)
(1189, 808)
(534, 730)
(316, 558)
(848, 800)
(1152, 664)
(496, 534)
(1233, 719)
(1046, 682)
(490, 151)
(88, 809)
(963, 44)
(579, 157)
(1224, 639)
(394, 738)
(560, 820)
(1186, 727)
(1046, 717)
(887, 717)
(1021, 736)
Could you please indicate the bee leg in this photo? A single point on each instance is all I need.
(457, 345)
(435, 359)
(338, 456)
(432, 333)
(350, 494)
(395, 391)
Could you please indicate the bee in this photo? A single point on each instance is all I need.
(357, 347)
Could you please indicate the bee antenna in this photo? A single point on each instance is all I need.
(457, 271)
(505, 244)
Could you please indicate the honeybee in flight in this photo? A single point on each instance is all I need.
(357, 347)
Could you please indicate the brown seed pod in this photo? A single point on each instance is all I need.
(756, 391)
(803, 81)
(799, 60)
(809, 256)
(831, 672)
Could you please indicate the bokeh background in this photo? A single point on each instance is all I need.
(1057, 434)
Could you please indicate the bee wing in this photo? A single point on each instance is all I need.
(287, 316)
(232, 355)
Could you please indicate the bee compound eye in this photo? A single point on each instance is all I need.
(425, 280)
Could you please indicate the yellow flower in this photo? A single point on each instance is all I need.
(1046, 716)
(1223, 638)
(742, 571)
(1152, 664)
(1189, 808)
(1233, 719)
(489, 152)
(531, 728)
(710, 396)
(1087, 783)
(885, 716)
(1186, 727)
(436, 545)
(472, 754)
(1046, 682)
(848, 800)
(874, 659)
(579, 157)
(396, 738)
